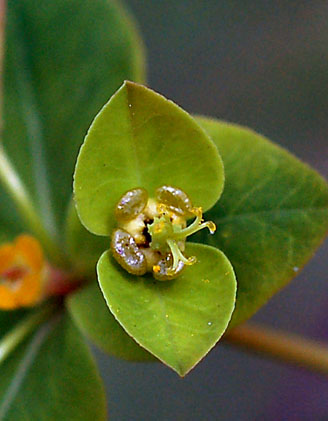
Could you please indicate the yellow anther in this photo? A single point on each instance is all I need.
(197, 211)
(156, 268)
(161, 208)
(159, 227)
(191, 260)
(211, 226)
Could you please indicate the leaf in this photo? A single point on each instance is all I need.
(8, 319)
(84, 248)
(272, 216)
(63, 59)
(52, 376)
(178, 321)
(10, 222)
(91, 314)
(140, 139)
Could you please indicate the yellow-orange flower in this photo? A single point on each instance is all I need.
(22, 271)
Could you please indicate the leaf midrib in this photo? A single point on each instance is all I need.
(34, 129)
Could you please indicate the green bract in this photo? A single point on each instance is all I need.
(272, 215)
(89, 310)
(140, 145)
(178, 321)
(140, 139)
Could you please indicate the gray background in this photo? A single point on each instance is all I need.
(263, 64)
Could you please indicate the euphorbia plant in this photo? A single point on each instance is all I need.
(145, 174)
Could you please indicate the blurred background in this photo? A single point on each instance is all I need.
(262, 64)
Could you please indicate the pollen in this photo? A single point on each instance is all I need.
(156, 268)
(158, 228)
(22, 267)
(198, 212)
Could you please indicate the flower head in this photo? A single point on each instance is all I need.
(152, 231)
(22, 273)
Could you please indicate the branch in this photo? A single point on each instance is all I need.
(289, 348)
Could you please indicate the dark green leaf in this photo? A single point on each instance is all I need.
(63, 59)
(52, 376)
(92, 316)
(178, 321)
(10, 222)
(272, 216)
(84, 248)
(8, 319)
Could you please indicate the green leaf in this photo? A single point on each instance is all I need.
(52, 376)
(91, 314)
(140, 139)
(272, 216)
(178, 321)
(84, 248)
(24, 205)
(8, 319)
(63, 60)
(10, 222)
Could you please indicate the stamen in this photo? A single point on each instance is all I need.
(197, 225)
(158, 227)
(178, 256)
(162, 209)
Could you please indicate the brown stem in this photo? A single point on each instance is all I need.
(289, 348)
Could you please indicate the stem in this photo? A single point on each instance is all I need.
(15, 188)
(178, 256)
(289, 348)
(12, 339)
